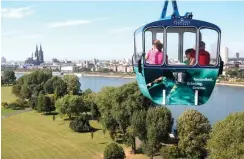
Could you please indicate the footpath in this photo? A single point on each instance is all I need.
(16, 112)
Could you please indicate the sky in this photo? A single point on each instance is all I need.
(82, 30)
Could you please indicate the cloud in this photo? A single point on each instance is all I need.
(31, 36)
(11, 32)
(11, 13)
(123, 29)
(68, 23)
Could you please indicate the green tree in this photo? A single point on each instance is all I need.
(127, 99)
(89, 101)
(94, 111)
(130, 137)
(48, 86)
(32, 102)
(44, 103)
(193, 131)
(40, 102)
(104, 102)
(8, 77)
(227, 138)
(117, 105)
(87, 91)
(138, 123)
(137, 128)
(80, 124)
(60, 87)
(151, 145)
(22, 103)
(52, 99)
(25, 91)
(114, 151)
(76, 105)
(70, 105)
(38, 77)
(73, 84)
(158, 125)
(31, 84)
(170, 152)
(16, 89)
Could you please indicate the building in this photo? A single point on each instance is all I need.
(237, 55)
(3, 60)
(113, 68)
(129, 68)
(9, 66)
(225, 55)
(69, 68)
(54, 60)
(121, 68)
(37, 59)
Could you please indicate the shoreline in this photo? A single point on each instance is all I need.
(230, 84)
(108, 76)
(88, 75)
(125, 77)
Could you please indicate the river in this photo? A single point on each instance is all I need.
(224, 99)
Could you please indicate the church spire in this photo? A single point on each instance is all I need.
(36, 53)
(36, 48)
(40, 54)
(40, 47)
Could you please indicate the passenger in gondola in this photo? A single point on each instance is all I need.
(189, 59)
(155, 55)
(204, 56)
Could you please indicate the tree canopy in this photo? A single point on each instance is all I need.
(8, 77)
(158, 126)
(227, 138)
(193, 132)
(70, 105)
(114, 151)
(73, 84)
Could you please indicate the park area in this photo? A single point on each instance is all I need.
(49, 117)
(31, 135)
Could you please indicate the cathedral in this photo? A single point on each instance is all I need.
(38, 57)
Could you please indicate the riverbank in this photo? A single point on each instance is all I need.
(90, 74)
(230, 84)
(109, 76)
(125, 76)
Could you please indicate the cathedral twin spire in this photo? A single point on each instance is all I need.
(36, 58)
(39, 54)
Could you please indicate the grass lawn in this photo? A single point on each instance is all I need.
(7, 96)
(31, 135)
(6, 111)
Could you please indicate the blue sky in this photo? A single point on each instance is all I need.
(84, 30)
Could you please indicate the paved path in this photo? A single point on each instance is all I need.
(16, 112)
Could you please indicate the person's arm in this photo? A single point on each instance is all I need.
(147, 55)
(192, 61)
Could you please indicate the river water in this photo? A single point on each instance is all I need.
(224, 99)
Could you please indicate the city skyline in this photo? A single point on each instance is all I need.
(100, 30)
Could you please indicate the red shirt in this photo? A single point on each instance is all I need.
(204, 57)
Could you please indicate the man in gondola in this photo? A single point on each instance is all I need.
(204, 56)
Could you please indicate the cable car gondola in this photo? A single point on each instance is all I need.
(173, 82)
